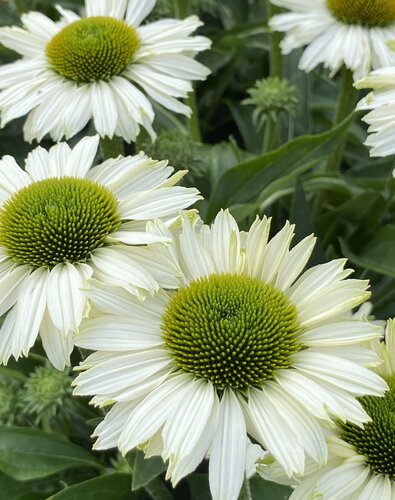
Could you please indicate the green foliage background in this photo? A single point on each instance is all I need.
(352, 213)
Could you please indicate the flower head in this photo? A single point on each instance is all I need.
(361, 458)
(62, 223)
(248, 344)
(271, 96)
(338, 32)
(105, 66)
(44, 392)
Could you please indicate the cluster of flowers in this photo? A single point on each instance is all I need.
(206, 339)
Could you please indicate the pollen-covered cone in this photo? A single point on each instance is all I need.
(106, 66)
(361, 462)
(62, 223)
(337, 32)
(248, 345)
(381, 104)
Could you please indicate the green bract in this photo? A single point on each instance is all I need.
(95, 48)
(232, 330)
(57, 220)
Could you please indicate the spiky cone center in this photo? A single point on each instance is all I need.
(376, 441)
(369, 13)
(92, 49)
(232, 330)
(57, 220)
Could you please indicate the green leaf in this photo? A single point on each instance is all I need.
(31, 453)
(110, 487)
(301, 216)
(199, 487)
(144, 469)
(378, 255)
(243, 182)
(265, 490)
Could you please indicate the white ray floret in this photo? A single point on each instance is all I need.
(245, 347)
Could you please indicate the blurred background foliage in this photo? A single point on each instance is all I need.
(254, 145)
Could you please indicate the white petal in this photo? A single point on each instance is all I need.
(151, 413)
(228, 450)
(138, 10)
(66, 299)
(339, 372)
(184, 428)
(121, 371)
(343, 480)
(30, 309)
(118, 333)
(56, 344)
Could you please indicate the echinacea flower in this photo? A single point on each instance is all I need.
(248, 345)
(361, 462)
(381, 103)
(337, 32)
(104, 66)
(62, 223)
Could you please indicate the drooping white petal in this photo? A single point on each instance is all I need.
(30, 307)
(184, 428)
(274, 432)
(66, 299)
(57, 345)
(145, 420)
(228, 450)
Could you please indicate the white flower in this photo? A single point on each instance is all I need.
(337, 32)
(98, 67)
(247, 345)
(361, 462)
(381, 102)
(62, 223)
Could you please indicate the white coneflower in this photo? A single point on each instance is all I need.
(337, 32)
(103, 66)
(62, 223)
(247, 345)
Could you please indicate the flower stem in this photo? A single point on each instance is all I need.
(272, 126)
(276, 58)
(271, 138)
(157, 490)
(346, 101)
(111, 148)
(245, 492)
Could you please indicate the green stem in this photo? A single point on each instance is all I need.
(157, 490)
(111, 148)
(194, 124)
(276, 58)
(346, 101)
(245, 492)
(271, 138)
